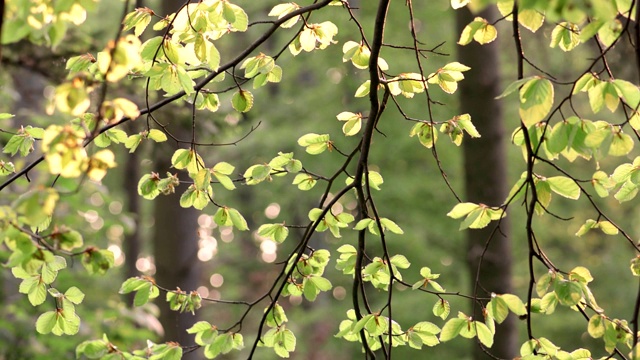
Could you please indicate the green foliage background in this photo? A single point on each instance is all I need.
(413, 192)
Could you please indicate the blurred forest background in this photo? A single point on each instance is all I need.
(184, 247)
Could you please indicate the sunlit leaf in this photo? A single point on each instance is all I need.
(566, 36)
(564, 186)
(536, 99)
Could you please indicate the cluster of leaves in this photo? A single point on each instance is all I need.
(28, 230)
(306, 279)
(214, 342)
(43, 21)
(454, 128)
(104, 349)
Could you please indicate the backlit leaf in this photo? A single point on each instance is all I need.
(564, 186)
(242, 101)
(536, 99)
(452, 328)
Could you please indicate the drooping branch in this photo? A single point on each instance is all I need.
(530, 176)
(363, 161)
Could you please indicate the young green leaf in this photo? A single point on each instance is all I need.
(375, 179)
(441, 309)
(187, 159)
(596, 327)
(157, 135)
(304, 181)
(74, 295)
(627, 91)
(514, 303)
(97, 261)
(6, 168)
(37, 205)
(484, 334)
(565, 35)
(138, 19)
(22, 142)
(353, 122)
(448, 76)
(426, 133)
(513, 87)
(281, 10)
(221, 171)
(536, 99)
(242, 101)
(275, 232)
(452, 328)
(498, 309)
(543, 283)
(46, 322)
(635, 266)
(314, 143)
(93, 349)
(363, 90)
(238, 220)
(391, 226)
(564, 186)
(569, 292)
(531, 19)
(462, 209)
(479, 30)
(457, 4)
(580, 274)
(407, 84)
(602, 183)
(548, 347)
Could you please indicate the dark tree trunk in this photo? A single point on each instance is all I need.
(175, 235)
(485, 178)
(175, 251)
(133, 240)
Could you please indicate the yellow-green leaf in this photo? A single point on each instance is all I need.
(564, 186)
(536, 100)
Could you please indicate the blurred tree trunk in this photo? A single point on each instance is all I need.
(175, 233)
(175, 240)
(133, 240)
(486, 178)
